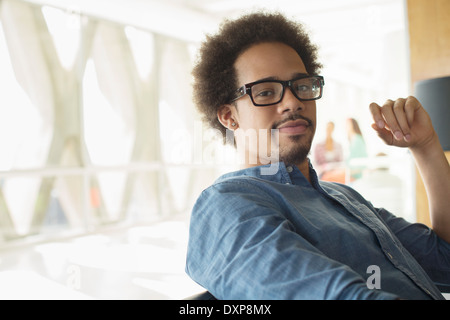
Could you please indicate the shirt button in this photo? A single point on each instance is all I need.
(289, 169)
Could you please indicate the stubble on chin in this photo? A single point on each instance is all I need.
(297, 147)
(296, 151)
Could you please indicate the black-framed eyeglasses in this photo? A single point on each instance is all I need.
(269, 92)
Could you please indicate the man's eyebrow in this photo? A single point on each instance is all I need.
(299, 75)
(294, 76)
(268, 78)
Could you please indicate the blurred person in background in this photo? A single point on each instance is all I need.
(329, 157)
(356, 149)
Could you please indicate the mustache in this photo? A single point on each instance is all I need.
(292, 117)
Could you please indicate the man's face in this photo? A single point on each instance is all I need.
(294, 120)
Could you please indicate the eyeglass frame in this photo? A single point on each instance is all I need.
(246, 89)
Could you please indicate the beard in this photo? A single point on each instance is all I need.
(297, 150)
(297, 147)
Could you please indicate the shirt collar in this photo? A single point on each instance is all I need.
(278, 172)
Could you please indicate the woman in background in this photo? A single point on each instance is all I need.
(329, 157)
(357, 148)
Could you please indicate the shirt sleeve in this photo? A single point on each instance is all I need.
(430, 251)
(242, 247)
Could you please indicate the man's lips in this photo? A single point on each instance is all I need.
(294, 127)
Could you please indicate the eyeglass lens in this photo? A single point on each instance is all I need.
(271, 92)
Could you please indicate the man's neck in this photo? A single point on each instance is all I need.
(304, 169)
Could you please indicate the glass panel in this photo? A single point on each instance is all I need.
(108, 99)
(80, 124)
(64, 27)
(118, 196)
(15, 191)
(142, 47)
(25, 102)
(53, 205)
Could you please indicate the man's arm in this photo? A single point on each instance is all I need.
(405, 123)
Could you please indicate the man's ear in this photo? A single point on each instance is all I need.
(226, 116)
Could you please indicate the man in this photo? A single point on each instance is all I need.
(283, 234)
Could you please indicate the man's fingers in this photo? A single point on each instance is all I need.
(384, 134)
(403, 123)
(379, 124)
(401, 117)
(387, 110)
(392, 121)
(411, 106)
(375, 109)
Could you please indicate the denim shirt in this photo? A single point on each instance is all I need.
(277, 236)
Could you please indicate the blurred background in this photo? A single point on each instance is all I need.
(103, 153)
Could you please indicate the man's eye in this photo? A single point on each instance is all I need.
(265, 93)
(302, 88)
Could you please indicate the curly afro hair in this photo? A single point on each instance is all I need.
(215, 80)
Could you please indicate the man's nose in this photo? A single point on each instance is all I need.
(290, 103)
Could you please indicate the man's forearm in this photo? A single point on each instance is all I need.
(435, 171)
